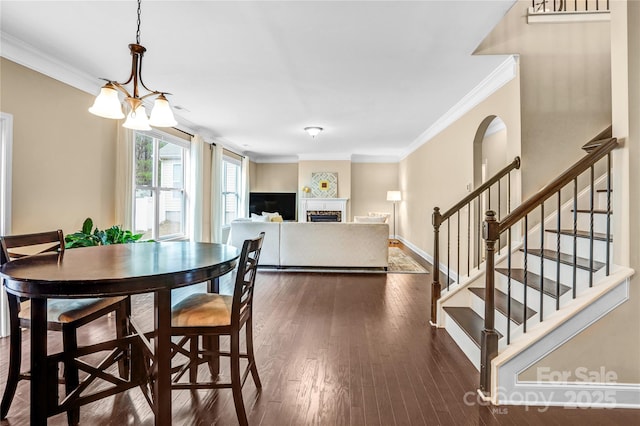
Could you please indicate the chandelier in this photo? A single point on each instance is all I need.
(107, 103)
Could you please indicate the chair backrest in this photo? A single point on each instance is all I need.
(43, 242)
(245, 279)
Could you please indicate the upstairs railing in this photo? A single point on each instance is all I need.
(569, 5)
(479, 196)
(494, 228)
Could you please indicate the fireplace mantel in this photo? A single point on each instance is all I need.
(323, 204)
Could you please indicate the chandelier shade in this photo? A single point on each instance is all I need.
(161, 114)
(137, 119)
(108, 104)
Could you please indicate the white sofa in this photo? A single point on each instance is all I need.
(244, 229)
(294, 244)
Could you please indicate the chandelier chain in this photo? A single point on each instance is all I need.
(138, 31)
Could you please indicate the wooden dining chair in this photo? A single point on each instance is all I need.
(64, 315)
(210, 315)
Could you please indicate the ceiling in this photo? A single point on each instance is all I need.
(252, 74)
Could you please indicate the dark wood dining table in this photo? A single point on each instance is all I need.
(112, 270)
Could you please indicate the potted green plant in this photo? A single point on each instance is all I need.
(88, 236)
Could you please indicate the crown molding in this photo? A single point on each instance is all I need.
(27, 55)
(503, 74)
(359, 158)
(278, 159)
(325, 157)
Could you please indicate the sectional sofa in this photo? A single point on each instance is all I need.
(317, 244)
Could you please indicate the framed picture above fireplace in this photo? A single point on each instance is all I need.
(324, 185)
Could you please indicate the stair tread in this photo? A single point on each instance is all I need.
(595, 211)
(500, 299)
(533, 281)
(470, 322)
(567, 259)
(582, 234)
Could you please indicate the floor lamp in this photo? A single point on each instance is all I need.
(394, 196)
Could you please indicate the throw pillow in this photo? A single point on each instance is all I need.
(277, 218)
(256, 218)
(380, 214)
(270, 215)
(369, 219)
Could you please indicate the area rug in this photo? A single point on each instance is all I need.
(401, 263)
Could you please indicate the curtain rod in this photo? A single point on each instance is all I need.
(213, 143)
(182, 131)
(191, 135)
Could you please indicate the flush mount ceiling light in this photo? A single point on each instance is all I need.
(313, 131)
(107, 103)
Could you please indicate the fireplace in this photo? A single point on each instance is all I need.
(324, 216)
(323, 206)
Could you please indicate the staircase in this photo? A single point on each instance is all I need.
(552, 270)
(465, 321)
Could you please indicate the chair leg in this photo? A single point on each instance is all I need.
(236, 383)
(193, 359)
(211, 346)
(122, 329)
(13, 376)
(250, 355)
(71, 377)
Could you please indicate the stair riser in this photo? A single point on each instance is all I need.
(533, 296)
(477, 304)
(550, 270)
(461, 338)
(582, 245)
(584, 220)
(601, 200)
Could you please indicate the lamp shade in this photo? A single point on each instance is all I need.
(137, 120)
(107, 104)
(161, 114)
(394, 196)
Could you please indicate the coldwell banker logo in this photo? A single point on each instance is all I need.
(581, 397)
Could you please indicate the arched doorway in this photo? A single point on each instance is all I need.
(490, 155)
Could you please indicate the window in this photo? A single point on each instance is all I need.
(160, 197)
(6, 141)
(6, 136)
(231, 185)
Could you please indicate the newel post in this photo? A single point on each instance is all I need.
(489, 341)
(436, 220)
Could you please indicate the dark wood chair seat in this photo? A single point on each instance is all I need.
(64, 315)
(202, 317)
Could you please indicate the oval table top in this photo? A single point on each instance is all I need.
(118, 269)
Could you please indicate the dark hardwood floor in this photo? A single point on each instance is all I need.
(332, 349)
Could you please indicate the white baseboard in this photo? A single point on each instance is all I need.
(423, 254)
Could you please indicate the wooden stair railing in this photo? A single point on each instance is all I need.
(439, 218)
(494, 227)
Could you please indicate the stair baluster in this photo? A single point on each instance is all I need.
(437, 219)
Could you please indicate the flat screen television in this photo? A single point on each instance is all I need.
(281, 202)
